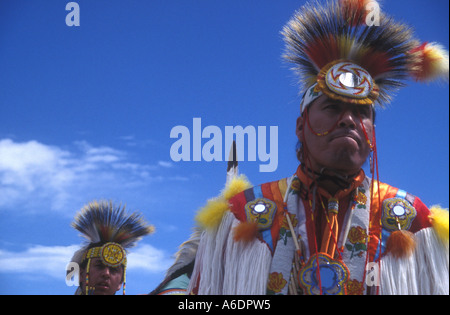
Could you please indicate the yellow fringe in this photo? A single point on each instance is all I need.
(440, 221)
(210, 216)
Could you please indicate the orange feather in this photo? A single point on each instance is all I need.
(245, 231)
(431, 62)
(401, 244)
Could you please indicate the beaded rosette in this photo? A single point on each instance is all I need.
(112, 254)
(323, 275)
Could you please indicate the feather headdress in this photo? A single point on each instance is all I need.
(327, 42)
(102, 222)
(109, 232)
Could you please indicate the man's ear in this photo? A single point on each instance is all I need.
(119, 286)
(299, 128)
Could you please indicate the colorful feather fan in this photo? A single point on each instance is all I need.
(102, 222)
(318, 35)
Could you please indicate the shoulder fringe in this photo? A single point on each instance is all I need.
(226, 267)
(222, 265)
(208, 218)
(426, 272)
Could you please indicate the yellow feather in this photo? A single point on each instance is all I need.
(440, 221)
(235, 186)
(210, 216)
(439, 63)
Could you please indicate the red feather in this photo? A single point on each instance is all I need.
(354, 11)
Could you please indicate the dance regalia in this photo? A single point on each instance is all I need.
(109, 232)
(292, 237)
(281, 257)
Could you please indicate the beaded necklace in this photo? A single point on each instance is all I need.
(324, 272)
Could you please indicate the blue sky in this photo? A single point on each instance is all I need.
(86, 113)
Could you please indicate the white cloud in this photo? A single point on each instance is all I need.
(51, 261)
(165, 164)
(148, 258)
(39, 260)
(21, 163)
(33, 173)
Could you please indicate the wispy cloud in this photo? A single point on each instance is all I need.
(148, 258)
(165, 164)
(45, 260)
(133, 141)
(51, 261)
(32, 172)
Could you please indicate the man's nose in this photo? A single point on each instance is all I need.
(106, 272)
(348, 119)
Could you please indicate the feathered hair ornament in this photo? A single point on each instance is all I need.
(351, 51)
(109, 232)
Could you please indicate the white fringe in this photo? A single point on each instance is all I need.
(433, 264)
(229, 267)
(247, 268)
(426, 272)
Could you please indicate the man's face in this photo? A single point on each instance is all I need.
(344, 149)
(106, 280)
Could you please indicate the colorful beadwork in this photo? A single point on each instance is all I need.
(333, 205)
(348, 79)
(397, 214)
(323, 275)
(112, 254)
(261, 211)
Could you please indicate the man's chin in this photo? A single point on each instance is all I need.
(103, 290)
(348, 162)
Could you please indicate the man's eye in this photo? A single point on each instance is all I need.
(365, 112)
(332, 107)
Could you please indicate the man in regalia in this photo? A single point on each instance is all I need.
(329, 229)
(109, 232)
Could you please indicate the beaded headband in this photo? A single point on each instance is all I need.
(112, 254)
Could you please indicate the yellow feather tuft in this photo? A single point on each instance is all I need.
(210, 216)
(440, 220)
(236, 185)
(433, 63)
(439, 61)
